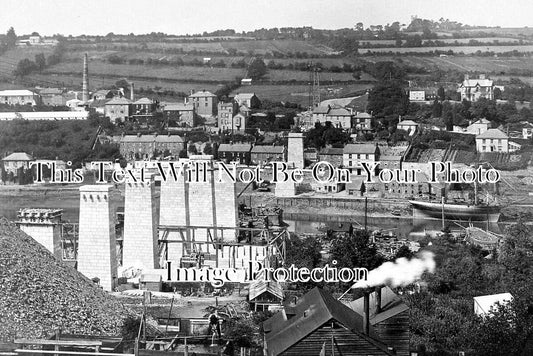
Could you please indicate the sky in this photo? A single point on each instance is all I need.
(180, 17)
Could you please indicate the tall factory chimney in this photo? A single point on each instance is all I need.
(85, 89)
(132, 95)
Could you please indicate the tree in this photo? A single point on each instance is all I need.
(208, 149)
(441, 94)
(40, 61)
(24, 67)
(192, 149)
(388, 99)
(257, 69)
(11, 38)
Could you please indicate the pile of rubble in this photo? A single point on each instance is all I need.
(39, 294)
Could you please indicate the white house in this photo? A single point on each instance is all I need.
(479, 126)
(492, 140)
(407, 125)
(475, 89)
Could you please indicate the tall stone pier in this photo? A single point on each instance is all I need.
(97, 256)
(140, 247)
(295, 150)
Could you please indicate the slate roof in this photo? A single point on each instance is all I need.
(202, 94)
(18, 156)
(331, 151)
(151, 138)
(237, 147)
(339, 112)
(144, 101)
(366, 148)
(268, 149)
(119, 101)
(474, 82)
(493, 133)
(244, 96)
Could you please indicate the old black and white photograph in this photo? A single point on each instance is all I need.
(266, 178)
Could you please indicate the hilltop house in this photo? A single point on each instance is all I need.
(475, 89)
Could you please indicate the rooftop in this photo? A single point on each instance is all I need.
(202, 94)
(268, 149)
(18, 156)
(16, 93)
(366, 148)
(493, 133)
(236, 147)
(118, 101)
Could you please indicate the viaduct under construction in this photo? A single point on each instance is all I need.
(187, 223)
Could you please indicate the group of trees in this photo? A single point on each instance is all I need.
(322, 135)
(442, 318)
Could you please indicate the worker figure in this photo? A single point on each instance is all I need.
(214, 323)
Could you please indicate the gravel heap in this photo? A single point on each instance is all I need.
(39, 294)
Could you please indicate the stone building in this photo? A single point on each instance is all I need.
(204, 102)
(265, 154)
(239, 152)
(139, 146)
(19, 97)
(118, 109)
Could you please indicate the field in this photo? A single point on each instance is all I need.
(258, 47)
(463, 63)
(455, 49)
(300, 93)
(448, 40)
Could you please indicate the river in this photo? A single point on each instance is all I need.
(403, 227)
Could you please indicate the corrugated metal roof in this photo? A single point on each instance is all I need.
(18, 156)
(366, 148)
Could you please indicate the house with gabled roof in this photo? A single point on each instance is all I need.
(250, 100)
(475, 89)
(16, 160)
(204, 102)
(355, 154)
(118, 109)
(495, 140)
(317, 322)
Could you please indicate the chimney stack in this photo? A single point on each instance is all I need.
(366, 313)
(85, 84)
(378, 300)
(132, 95)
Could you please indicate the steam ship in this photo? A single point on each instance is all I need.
(456, 211)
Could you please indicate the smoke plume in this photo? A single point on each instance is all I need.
(399, 273)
